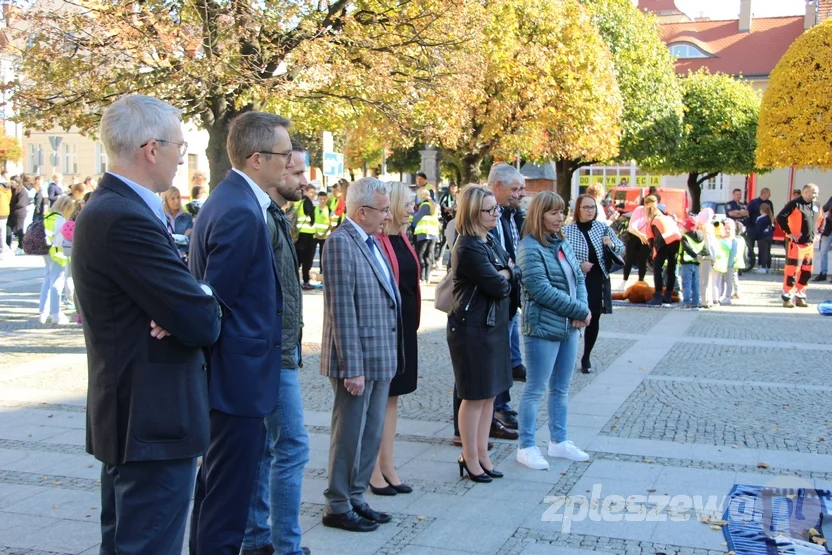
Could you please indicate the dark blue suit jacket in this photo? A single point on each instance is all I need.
(230, 249)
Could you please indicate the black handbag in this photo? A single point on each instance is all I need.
(613, 261)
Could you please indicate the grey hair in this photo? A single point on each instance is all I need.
(505, 174)
(133, 120)
(252, 132)
(363, 191)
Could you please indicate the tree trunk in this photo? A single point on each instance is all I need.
(458, 175)
(695, 189)
(564, 170)
(471, 171)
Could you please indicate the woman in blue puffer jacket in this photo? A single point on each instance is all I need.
(554, 309)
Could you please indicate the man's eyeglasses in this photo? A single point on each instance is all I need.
(183, 146)
(385, 210)
(494, 210)
(287, 154)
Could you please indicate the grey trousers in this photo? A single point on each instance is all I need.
(357, 423)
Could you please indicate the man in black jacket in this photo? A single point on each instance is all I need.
(146, 322)
(799, 220)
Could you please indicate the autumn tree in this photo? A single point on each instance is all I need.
(543, 82)
(796, 112)
(719, 130)
(215, 59)
(10, 149)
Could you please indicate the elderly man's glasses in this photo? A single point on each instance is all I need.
(183, 146)
(385, 210)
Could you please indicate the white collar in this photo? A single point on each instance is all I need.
(263, 199)
(149, 197)
(361, 232)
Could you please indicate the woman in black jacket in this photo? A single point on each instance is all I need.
(478, 327)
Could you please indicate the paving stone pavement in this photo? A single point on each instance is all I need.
(679, 403)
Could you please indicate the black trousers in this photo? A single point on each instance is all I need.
(667, 253)
(224, 484)
(764, 253)
(144, 506)
(319, 247)
(305, 247)
(636, 254)
(426, 249)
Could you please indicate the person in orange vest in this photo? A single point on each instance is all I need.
(799, 221)
(663, 236)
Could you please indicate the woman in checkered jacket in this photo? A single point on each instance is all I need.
(591, 239)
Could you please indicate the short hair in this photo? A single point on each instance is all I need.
(505, 174)
(64, 205)
(468, 214)
(322, 194)
(543, 202)
(423, 175)
(133, 120)
(310, 187)
(57, 176)
(796, 192)
(252, 132)
(399, 195)
(595, 190)
(578, 202)
(297, 146)
(809, 186)
(199, 175)
(765, 190)
(363, 191)
(736, 191)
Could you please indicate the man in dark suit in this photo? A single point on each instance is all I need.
(146, 320)
(360, 352)
(231, 250)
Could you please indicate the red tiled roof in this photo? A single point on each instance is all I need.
(663, 7)
(753, 53)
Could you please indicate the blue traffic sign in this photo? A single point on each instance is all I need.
(333, 164)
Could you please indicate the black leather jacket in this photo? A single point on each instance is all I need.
(481, 293)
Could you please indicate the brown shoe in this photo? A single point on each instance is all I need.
(456, 441)
(498, 431)
(787, 301)
(800, 302)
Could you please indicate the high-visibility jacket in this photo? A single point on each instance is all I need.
(305, 223)
(52, 223)
(695, 246)
(723, 261)
(322, 221)
(334, 204)
(428, 224)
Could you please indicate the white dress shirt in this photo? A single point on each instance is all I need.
(376, 252)
(149, 197)
(263, 199)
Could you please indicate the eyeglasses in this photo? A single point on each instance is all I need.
(385, 210)
(589, 208)
(183, 146)
(494, 210)
(287, 154)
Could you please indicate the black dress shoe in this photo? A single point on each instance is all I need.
(519, 373)
(586, 367)
(506, 419)
(498, 431)
(350, 521)
(265, 550)
(365, 511)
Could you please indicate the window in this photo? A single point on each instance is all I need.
(193, 162)
(69, 159)
(685, 50)
(33, 159)
(100, 159)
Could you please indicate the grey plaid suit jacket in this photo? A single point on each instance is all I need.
(362, 315)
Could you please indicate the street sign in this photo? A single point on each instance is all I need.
(54, 159)
(55, 142)
(333, 164)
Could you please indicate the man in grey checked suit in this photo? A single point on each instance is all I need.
(360, 352)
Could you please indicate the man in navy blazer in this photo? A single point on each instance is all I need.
(231, 250)
(146, 322)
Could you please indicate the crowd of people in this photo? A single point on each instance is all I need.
(193, 319)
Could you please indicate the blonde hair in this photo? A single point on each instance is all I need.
(423, 195)
(399, 195)
(545, 201)
(64, 205)
(651, 208)
(468, 215)
(595, 190)
(166, 195)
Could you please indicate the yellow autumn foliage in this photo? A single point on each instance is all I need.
(795, 126)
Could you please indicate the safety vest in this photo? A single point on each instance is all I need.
(668, 228)
(304, 223)
(696, 246)
(723, 254)
(429, 224)
(55, 253)
(332, 205)
(322, 219)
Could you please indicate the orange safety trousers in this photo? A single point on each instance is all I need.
(797, 254)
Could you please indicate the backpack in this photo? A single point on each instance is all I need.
(34, 240)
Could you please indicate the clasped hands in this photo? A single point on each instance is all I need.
(582, 323)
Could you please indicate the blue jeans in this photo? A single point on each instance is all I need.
(690, 284)
(823, 255)
(281, 473)
(552, 362)
(54, 280)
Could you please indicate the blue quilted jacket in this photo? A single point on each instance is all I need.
(547, 305)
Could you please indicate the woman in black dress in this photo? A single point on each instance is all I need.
(477, 332)
(405, 264)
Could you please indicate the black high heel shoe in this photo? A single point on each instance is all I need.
(386, 490)
(400, 488)
(483, 478)
(493, 473)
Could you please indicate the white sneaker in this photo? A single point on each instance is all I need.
(567, 450)
(531, 457)
(59, 319)
(43, 318)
